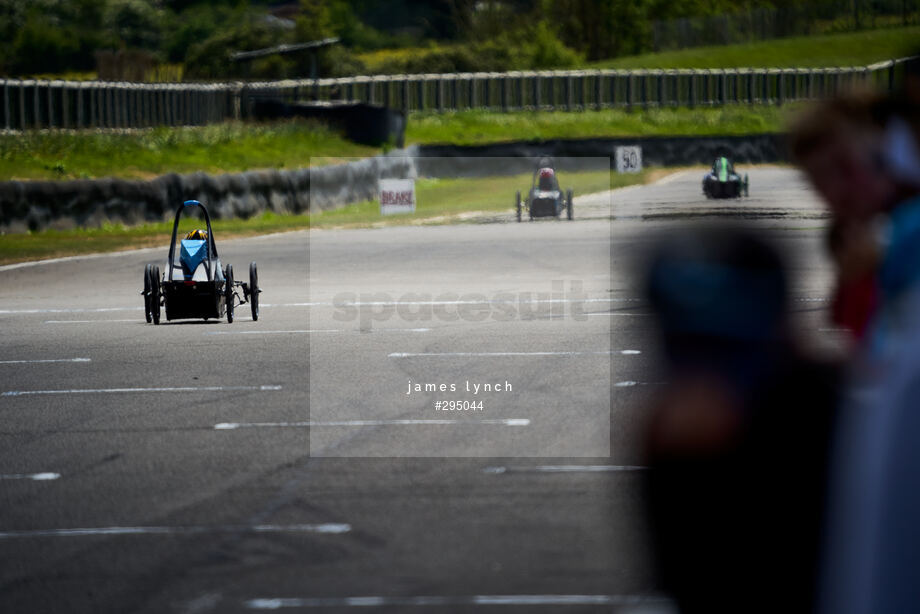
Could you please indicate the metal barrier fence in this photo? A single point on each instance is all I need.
(32, 104)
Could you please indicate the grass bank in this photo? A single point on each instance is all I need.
(848, 49)
(144, 154)
(440, 201)
(841, 49)
(234, 147)
(479, 127)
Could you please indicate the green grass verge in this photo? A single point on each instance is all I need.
(850, 49)
(478, 127)
(440, 201)
(840, 49)
(115, 237)
(144, 154)
(235, 147)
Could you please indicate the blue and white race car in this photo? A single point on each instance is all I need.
(196, 286)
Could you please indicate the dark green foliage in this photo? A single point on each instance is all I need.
(60, 36)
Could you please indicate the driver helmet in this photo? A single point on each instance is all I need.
(198, 233)
(547, 175)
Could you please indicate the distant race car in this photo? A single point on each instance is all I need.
(546, 198)
(196, 286)
(723, 182)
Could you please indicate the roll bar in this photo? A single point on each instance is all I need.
(211, 247)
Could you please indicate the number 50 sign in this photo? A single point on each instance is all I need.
(629, 159)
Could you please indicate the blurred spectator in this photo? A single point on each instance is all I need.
(855, 249)
(737, 442)
(868, 148)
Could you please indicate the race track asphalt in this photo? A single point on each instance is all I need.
(210, 467)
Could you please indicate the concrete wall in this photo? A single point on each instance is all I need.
(36, 205)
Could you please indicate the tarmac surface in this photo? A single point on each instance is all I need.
(281, 465)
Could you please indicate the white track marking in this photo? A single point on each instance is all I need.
(88, 321)
(277, 603)
(43, 360)
(329, 528)
(369, 304)
(487, 354)
(631, 383)
(74, 310)
(22, 265)
(317, 330)
(38, 477)
(20, 393)
(674, 177)
(565, 469)
(232, 426)
(614, 313)
(275, 332)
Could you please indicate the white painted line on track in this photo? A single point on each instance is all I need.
(674, 177)
(275, 332)
(73, 310)
(328, 528)
(38, 477)
(317, 330)
(22, 265)
(370, 304)
(277, 603)
(43, 360)
(457, 302)
(232, 426)
(565, 469)
(88, 321)
(631, 383)
(20, 393)
(614, 313)
(488, 354)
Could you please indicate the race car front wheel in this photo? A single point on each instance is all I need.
(155, 294)
(228, 292)
(254, 290)
(148, 312)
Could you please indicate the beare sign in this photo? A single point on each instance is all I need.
(397, 196)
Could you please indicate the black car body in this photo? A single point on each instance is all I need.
(723, 182)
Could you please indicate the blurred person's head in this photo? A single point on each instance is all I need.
(855, 248)
(840, 143)
(720, 295)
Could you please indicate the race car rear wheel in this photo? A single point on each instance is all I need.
(148, 312)
(517, 201)
(254, 290)
(568, 204)
(228, 292)
(155, 294)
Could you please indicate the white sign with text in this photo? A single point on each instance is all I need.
(629, 159)
(397, 196)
